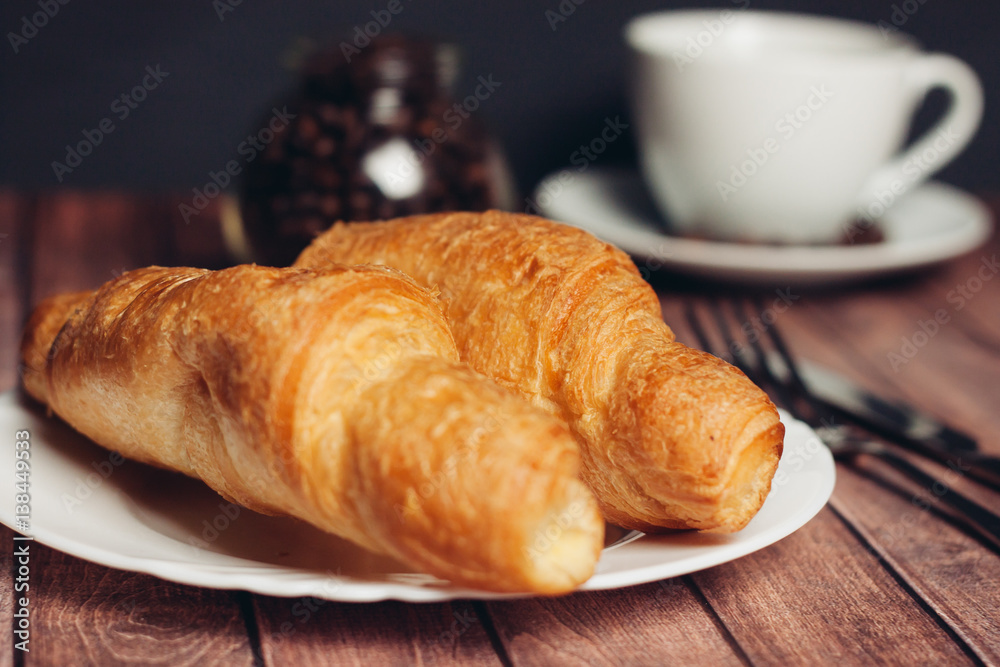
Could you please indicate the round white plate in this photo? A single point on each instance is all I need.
(87, 502)
(934, 223)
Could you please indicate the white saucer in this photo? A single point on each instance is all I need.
(91, 504)
(934, 223)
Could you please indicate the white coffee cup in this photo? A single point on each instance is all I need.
(785, 128)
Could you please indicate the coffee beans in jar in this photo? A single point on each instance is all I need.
(375, 134)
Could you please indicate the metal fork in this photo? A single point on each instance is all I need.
(792, 393)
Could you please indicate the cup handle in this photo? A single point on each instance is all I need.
(956, 128)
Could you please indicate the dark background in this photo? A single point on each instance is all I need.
(557, 86)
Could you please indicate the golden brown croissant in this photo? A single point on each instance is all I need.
(671, 437)
(333, 396)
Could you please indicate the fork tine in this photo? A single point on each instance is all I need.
(785, 395)
(695, 323)
(735, 350)
(985, 469)
(778, 341)
(984, 521)
(733, 354)
(757, 369)
(794, 380)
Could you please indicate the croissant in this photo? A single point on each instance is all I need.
(333, 396)
(671, 437)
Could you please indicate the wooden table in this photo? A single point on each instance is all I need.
(872, 579)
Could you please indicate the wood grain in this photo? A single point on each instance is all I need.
(945, 367)
(948, 376)
(82, 240)
(310, 631)
(950, 570)
(656, 624)
(89, 614)
(818, 597)
(7, 595)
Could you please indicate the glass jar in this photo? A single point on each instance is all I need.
(372, 133)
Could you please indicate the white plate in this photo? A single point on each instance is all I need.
(934, 223)
(134, 517)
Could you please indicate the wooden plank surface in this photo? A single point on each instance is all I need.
(7, 594)
(82, 240)
(945, 566)
(656, 624)
(819, 597)
(949, 377)
(87, 614)
(310, 631)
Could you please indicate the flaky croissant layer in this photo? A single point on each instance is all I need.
(671, 437)
(334, 396)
